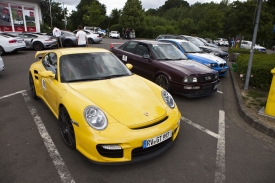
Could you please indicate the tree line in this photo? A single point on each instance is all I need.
(206, 20)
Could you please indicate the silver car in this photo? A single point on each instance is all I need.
(92, 36)
(38, 42)
(68, 38)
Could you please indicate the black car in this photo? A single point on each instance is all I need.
(208, 49)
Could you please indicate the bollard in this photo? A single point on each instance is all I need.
(270, 104)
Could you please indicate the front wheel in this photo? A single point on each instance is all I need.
(68, 43)
(32, 87)
(163, 81)
(66, 128)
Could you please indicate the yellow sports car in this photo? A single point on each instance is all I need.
(104, 111)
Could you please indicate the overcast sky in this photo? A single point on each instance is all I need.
(119, 4)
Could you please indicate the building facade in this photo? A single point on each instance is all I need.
(21, 15)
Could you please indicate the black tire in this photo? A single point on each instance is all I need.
(68, 43)
(2, 50)
(66, 128)
(32, 87)
(90, 41)
(163, 81)
(38, 46)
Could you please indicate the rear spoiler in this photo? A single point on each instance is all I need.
(42, 53)
(112, 45)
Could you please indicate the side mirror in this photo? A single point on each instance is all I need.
(47, 74)
(146, 56)
(129, 66)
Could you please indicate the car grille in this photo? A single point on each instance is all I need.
(150, 125)
(222, 65)
(109, 153)
(207, 78)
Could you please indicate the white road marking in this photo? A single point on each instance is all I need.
(6, 96)
(220, 91)
(200, 127)
(220, 158)
(52, 150)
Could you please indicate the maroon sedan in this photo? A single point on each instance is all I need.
(165, 65)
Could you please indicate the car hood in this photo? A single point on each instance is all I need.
(206, 57)
(191, 66)
(127, 99)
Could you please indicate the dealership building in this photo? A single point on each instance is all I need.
(21, 15)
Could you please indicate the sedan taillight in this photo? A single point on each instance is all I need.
(12, 41)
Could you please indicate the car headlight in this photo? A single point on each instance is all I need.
(190, 79)
(212, 65)
(95, 118)
(168, 99)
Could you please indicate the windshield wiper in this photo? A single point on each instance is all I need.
(115, 76)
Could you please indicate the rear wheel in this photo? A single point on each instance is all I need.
(90, 41)
(68, 43)
(37, 46)
(163, 81)
(66, 128)
(32, 87)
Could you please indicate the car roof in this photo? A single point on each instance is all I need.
(151, 42)
(67, 51)
(175, 40)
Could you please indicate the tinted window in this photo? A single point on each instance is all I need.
(129, 47)
(167, 52)
(49, 61)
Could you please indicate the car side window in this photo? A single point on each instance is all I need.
(50, 62)
(142, 50)
(130, 47)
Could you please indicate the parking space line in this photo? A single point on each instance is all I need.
(200, 128)
(52, 150)
(220, 91)
(220, 159)
(6, 96)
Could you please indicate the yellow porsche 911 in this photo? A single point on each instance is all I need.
(104, 111)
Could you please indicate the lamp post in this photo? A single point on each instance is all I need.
(65, 21)
(50, 3)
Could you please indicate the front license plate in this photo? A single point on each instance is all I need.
(157, 140)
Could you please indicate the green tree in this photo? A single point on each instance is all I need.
(57, 15)
(133, 16)
(95, 15)
(114, 16)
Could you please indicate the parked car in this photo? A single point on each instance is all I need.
(208, 49)
(2, 66)
(10, 43)
(170, 36)
(104, 111)
(38, 42)
(221, 42)
(206, 43)
(193, 52)
(68, 38)
(248, 44)
(168, 67)
(114, 34)
(92, 37)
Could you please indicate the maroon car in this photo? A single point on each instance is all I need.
(165, 65)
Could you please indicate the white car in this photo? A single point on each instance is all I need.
(221, 42)
(247, 45)
(11, 43)
(2, 66)
(114, 34)
(18, 22)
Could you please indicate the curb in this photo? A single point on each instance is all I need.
(247, 116)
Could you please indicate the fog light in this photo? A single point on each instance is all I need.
(111, 147)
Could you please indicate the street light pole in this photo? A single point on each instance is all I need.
(64, 15)
(50, 3)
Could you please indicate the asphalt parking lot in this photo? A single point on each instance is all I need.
(214, 144)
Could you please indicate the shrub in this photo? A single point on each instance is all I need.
(262, 65)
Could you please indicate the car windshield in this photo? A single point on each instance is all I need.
(195, 41)
(167, 52)
(91, 66)
(189, 47)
